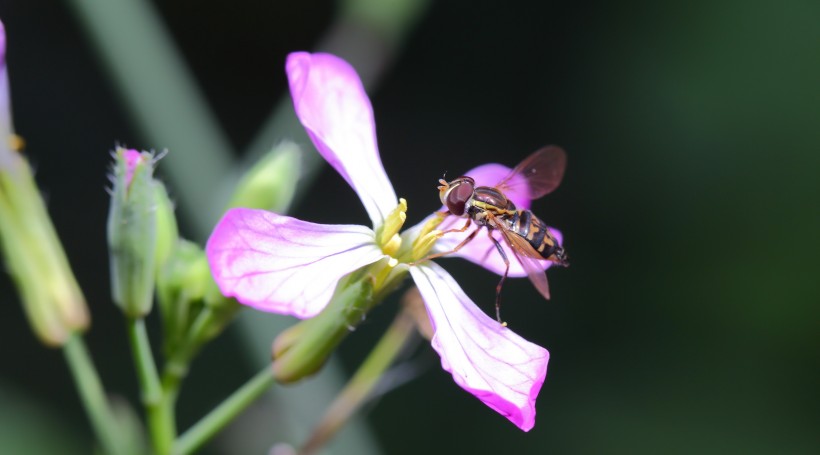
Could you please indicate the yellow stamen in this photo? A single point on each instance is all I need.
(427, 236)
(392, 246)
(392, 224)
(424, 243)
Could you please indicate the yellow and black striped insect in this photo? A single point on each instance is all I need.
(527, 236)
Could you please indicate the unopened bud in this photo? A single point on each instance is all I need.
(270, 184)
(301, 350)
(34, 257)
(132, 231)
(167, 230)
(185, 288)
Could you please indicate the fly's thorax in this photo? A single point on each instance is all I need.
(489, 207)
(493, 199)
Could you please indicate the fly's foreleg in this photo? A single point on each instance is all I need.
(456, 248)
(461, 229)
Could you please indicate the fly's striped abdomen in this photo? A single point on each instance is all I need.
(535, 231)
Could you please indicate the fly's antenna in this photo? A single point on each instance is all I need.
(443, 182)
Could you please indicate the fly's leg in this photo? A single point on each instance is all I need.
(503, 277)
(487, 253)
(457, 247)
(461, 229)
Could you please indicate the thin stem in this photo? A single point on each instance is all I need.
(160, 415)
(92, 394)
(176, 368)
(362, 383)
(223, 414)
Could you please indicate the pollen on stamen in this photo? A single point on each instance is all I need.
(393, 223)
(392, 246)
(423, 244)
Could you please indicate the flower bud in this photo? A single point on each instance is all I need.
(184, 289)
(301, 350)
(180, 285)
(132, 231)
(34, 257)
(270, 183)
(167, 230)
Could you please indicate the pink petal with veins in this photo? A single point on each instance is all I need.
(2, 45)
(332, 105)
(486, 359)
(284, 265)
(5, 106)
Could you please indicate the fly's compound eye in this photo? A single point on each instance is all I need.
(460, 192)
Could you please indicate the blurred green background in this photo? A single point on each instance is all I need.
(688, 321)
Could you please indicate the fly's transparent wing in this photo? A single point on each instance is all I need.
(540, 173)
(526, 255)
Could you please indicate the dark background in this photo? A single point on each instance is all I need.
(688, 321)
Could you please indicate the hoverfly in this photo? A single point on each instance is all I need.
(527, 236)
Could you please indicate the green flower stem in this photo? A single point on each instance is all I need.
(176, 367)
(92, 394)
(160, 413)
(223, 414)
(362, 383)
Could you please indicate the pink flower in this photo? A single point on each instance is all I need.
(5, 105)
(283, 265)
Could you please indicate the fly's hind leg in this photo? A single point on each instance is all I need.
(503, 277)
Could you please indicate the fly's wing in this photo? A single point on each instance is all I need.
(526, 254)
(540, 173)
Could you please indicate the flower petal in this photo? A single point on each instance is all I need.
(486, 359)
(284, 265)
(5, 105)
(332, 105)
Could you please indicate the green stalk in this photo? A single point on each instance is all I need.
(92, 394)
(160, 412)
(223, 414)
(362, 383)
(176, 368)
